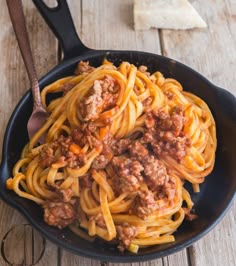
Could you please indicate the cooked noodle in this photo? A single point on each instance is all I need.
(119, 145)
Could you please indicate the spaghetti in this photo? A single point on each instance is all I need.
(119, 144)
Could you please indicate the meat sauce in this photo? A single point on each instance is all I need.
(137, 163)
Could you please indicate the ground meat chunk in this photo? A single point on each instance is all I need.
(129, 172)
(66, 194)
(63, 142)
(127, 183)
(109, 84)
(164, 131)
(59, 214)
(67, 87)
(150, 121)
(84, 135)
(100, 162)
(79, 137)
(148, 137)
(99, 220)
(91, 106)
(120, 146)
(59, 153)
(155, 173)
(188, 215)
(46, 157)
(170, 188)
(109, 100)
(102, 96)
(86, 181)
(107, 151)
(172, 122)
(48, 153)
(83, 67)
(177, 120)
(167, 191)
(110, 89)
(144, 204)
(169, 95)
(143, 69)
(176, 148)
(67, 151)
(138, 150)
(125, 234)
(73, 160)
(94, 142)
(147, 101)
(90, 127)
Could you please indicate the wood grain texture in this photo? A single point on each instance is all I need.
(14, 83)
(105, 24)
(220, 241)
(212, 53)
(177, 259)
(109, 25)
(148, 263)
(69, 259)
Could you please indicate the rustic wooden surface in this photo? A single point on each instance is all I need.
(106, 24)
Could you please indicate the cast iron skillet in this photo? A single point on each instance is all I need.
(217, 192)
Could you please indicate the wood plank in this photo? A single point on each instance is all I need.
(109, 25)
(220, 241)
(76, 13)
(177, 259)
(100, 17)
(70, 259)
(212, 53)
(14, 240)
(14, 83)
(157, 262)
(28, 245)
(18, 228)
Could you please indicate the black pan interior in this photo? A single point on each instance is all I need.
(210, 204)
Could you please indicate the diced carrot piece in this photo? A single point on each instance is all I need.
(9, 183)
(75, 148)
(103, 132)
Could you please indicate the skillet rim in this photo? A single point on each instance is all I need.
(113, 258)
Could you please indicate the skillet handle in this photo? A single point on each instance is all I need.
(61, 23)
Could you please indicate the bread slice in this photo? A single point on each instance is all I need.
(166, 14)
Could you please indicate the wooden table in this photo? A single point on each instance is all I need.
(106, 24)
